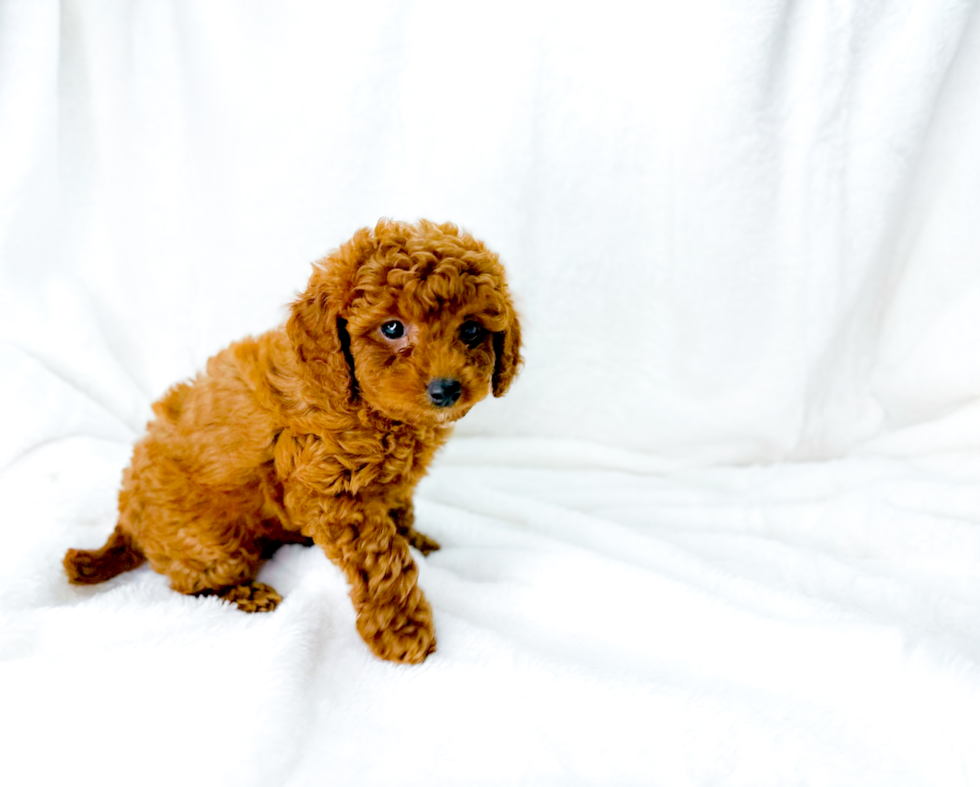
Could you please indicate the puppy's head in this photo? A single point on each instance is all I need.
(414, 320)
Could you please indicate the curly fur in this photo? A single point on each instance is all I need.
(319, 432)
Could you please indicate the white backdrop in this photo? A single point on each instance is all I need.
(744, 241)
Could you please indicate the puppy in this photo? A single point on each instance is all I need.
(319, 432)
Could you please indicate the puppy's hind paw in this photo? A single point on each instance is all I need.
(251, 597)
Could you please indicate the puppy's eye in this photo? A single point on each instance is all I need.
(471, 333)
(393, 329)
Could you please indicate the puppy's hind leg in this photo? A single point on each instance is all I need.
(231, 580)
(248, 597)
(230, 577)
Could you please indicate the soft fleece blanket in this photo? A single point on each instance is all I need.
(725, 529)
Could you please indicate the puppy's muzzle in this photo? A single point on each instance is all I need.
(444, 391)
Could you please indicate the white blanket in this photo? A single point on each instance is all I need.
(725, 529)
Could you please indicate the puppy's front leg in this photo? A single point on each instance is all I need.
(403, 513)
(359, 536)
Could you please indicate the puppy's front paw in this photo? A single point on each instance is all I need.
(421, 541)
(403, 633)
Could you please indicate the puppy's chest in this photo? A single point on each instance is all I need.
(356, 462)
(402, 458)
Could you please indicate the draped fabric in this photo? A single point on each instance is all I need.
(725, 527)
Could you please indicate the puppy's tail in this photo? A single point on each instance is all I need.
(119, 554)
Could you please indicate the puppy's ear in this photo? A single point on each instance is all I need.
(507, 352)
(317, 328)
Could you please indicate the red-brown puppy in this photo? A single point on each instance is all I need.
(321, 430)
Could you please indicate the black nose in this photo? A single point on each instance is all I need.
(444, 392)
